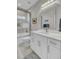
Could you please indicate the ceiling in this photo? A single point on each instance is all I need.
(26, 4)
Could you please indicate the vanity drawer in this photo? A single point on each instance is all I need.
(55, 43)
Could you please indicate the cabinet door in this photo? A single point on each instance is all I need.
(53, 51)
(33, 43)
(41, 48)
(36, 44)
(44, 47)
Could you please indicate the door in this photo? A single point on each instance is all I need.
(54, 52)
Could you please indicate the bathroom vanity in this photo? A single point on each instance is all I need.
(47, 45)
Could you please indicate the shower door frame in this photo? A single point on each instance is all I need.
(21, 9)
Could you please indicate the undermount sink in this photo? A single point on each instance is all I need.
(50, 32)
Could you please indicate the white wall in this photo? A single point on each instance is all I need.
(57, 17)
(49, 14)
(52, 14)
(35, 14)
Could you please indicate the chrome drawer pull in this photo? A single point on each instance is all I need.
(39, 44)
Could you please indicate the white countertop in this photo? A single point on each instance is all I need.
(50, 34)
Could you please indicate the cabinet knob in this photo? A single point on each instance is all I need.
(48, 48)
(39, 43)
(32, 39)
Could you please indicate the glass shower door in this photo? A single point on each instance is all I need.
(23, 24)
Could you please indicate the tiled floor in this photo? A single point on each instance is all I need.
(25, 52)
(32, 56)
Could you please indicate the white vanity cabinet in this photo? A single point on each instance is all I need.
(46, 46)
(54, 49)
(33, 43)
(36, 44)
